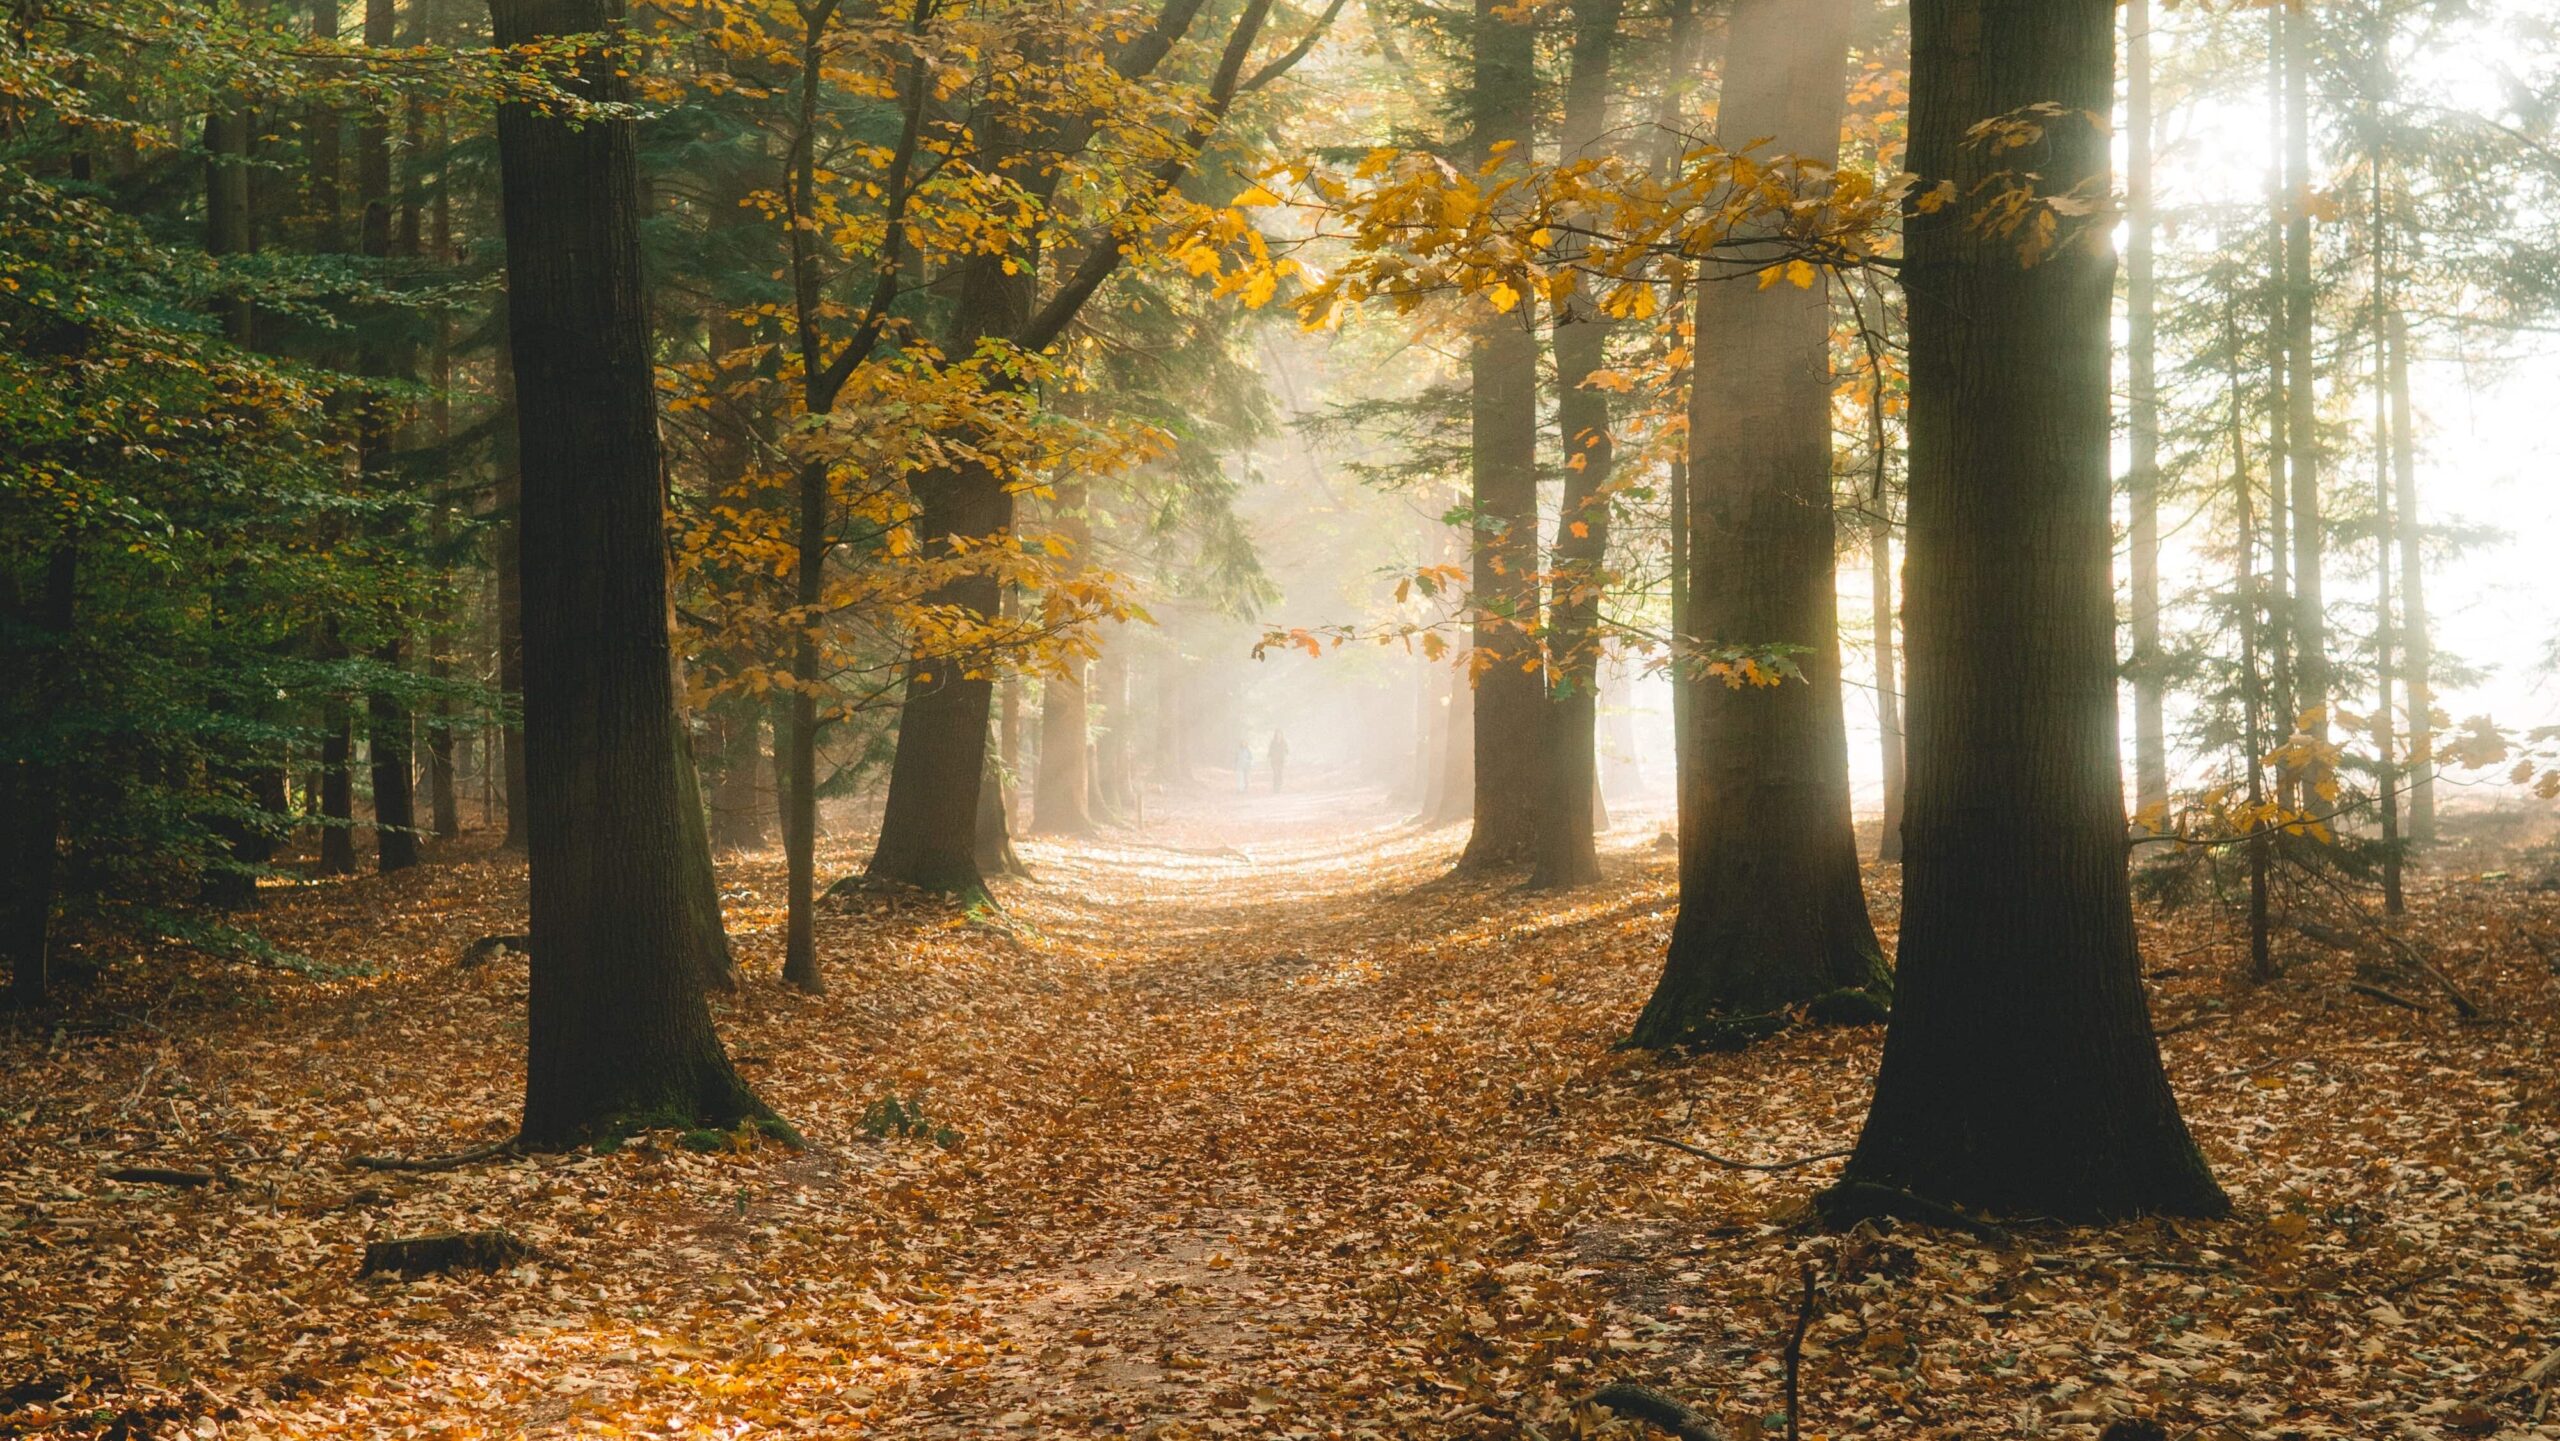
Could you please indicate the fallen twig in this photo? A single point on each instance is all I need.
(2391, 997)
(1658, 1409)
(1733, 1165)
(160, 1176)
(454, 1161)
(1795, 1355)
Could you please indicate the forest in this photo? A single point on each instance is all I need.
(1523, 720)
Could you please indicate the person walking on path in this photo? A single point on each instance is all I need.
(1279, 761)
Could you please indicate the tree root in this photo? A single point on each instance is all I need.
(1658, 1409)
(453, 1162)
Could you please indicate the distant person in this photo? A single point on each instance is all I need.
(1279, 761)
(1244, 768)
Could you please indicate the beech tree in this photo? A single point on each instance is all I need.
(1771, 910)
(2020, 1073)
(625, 919)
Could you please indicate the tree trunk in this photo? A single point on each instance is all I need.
(1566, 853)
(2150, 734)
(337, 784)
(229, 231)
(738, 810)
(31, 784)
(2313, 683)
(442, 772)
(617, 1029)
(510, 568)
(387, 715)
(1058, 789)
(1457, 751)
(929, 824)
(2417, 646)
(2020, 1073)
(1511, 693)
(800, 739)
(1772, 914)
(1880, 572)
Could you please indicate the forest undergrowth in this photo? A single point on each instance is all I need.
(1196, 1139)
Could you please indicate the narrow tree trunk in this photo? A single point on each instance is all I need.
(2279, 597)
(1457, 751)
(1510, 703)
(442, 773)
(229, 231)
(1567, 853)
(2314, 686)
(2020, 1073)
(2386, 761)
(337, 784)
(1880, 572)
(2417, 646)
(617, 1029)
(31, 784)
(387, 714)
(2150, 736)
(1111, 731)
(800, 741)
(1058, 789)
(1772, 913)
(510, 569)
(2252, 608)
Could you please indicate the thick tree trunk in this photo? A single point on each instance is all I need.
(1880, 573)
(739, 815)
(929, 824)
(2150, 733)
(1569, 811)
(618, 1032)
(31, 784)
(2417, 646)
(1511, 692)
(1772, 914)
(2020, 1073)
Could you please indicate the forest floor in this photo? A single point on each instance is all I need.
(1275, 1136)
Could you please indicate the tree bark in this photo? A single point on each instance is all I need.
(1880, 572)
(1510, 701)
(1058, 789)
(2312, 679)
(1566, 850)
(2150, 735)
(31, 784)
(738, 810)
(337, 782)
(618, 1032)
(2020, 1072)
(2417, 646)
(1772, 913)
(510, 568)
(387, 715)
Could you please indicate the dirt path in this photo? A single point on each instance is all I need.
(1261, 1131)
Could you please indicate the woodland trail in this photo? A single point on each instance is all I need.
(1280, 1138)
